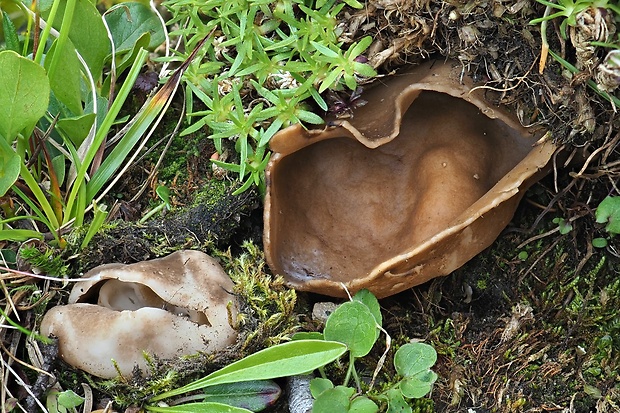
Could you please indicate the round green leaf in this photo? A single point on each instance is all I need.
(396, 402)
(24, 94)
(599, 242)
(414, 358)
(319, 385)
(353, 324)
(333, 400)
(418, 386)
(608, 212)
(363, 404)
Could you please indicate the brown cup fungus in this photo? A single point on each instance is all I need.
(166, 307)
(421, 179)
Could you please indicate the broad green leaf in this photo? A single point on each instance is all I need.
(418, 386)
(333, 400)
(282, 360)
(87, 33)
(8, 257)
(164, 194)
(251, 395)
(353, 324)
(24, 94)
(65, 81)
(363, 404)
(198, 408)
(396, 402)
(10, 34)
(130, 22)
(319, 385)
(414, 358)
(77, 128)
(69, 399)
(10, 165)
(608, 212)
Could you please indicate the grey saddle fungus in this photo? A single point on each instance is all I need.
(167, 307)
(421, 179)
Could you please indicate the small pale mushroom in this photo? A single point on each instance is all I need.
(421, 179)
(181, 304)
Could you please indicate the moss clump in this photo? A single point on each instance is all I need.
(213, 219)
(46, 260)
(268, 315)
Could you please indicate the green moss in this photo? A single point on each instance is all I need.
(268, 315)
(46, 260)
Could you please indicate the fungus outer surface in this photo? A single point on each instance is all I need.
(167, 307)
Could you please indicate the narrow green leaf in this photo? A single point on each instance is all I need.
(198, 408)
(362, 45)
(288, 359)
(95, 225)
(324, 50)
(24, 94)
(91, 148)
(33, 185)
(330, 80)
(253, 395)
(309, 117)
(19, 235)
(307, 335)
(10, 34)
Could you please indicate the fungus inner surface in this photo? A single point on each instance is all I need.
(131, 296)
(343, 208)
